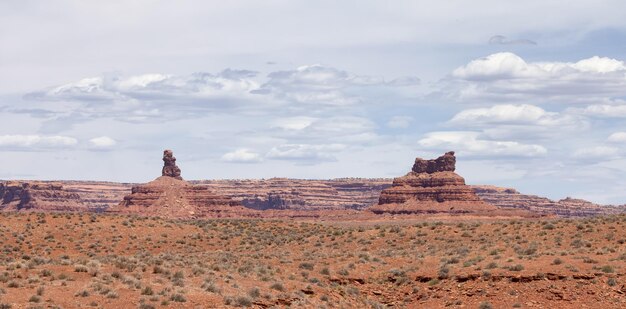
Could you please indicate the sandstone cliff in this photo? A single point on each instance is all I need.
(34, 196)
(508, 198)
(171, 197)
(301, 194)
(431, 186)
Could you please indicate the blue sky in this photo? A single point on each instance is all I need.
(530, 94)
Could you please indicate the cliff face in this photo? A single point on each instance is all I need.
(72, 196)
(508, 198)
(300, 194)
(430, 186)
(25, 196)
(171, 197)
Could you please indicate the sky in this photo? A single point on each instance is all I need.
(530, 94)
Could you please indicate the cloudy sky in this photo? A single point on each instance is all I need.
(531, 94)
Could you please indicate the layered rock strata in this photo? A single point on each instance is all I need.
(301, 194)
(508, 198)
(171, 197)
(35, 196)
(431, 186)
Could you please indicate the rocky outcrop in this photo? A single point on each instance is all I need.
(445, 163)
(301, 194)
(508, 198)
(169, 165)
(171, 197)
(431, 186)
(34, 196)
(60, 196)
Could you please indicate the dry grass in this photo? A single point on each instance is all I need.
(60, 260)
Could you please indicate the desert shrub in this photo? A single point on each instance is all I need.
(243, 301)
(485, 305)
(611, 282)
(178, 298)
(325, 271)
(444, 272)
(307, 266)
(518, 267)
(607, 269)
(83, 293)
(147, 291)
(557, 261)
(277, 286)
(34, 299)
(254, 293)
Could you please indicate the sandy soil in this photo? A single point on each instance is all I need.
(114, 261)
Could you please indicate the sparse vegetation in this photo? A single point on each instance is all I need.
(244, 262)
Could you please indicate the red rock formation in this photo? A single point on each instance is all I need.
(301, 194)
(431, 186)
(508, 198)
(38, 196)
(171, 197)
(169, 165)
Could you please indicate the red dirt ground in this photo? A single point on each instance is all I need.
(114, 261)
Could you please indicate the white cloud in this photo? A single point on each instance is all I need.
(506, 76)
(242, 156)
(102, 142)
(510, 114)
(507, 113)
(617, 137)
(471, 143)
(35, 142)
(528, 122)
(324, 86)
(601, 110)
(502, 40)
(597, 152)
(294, 123)
(154, 97)
(305, 152)
(334, 129)
(399, 122)
(509, 65)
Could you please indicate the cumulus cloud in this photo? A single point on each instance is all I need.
(153, 97)
(305, 152)
(325, 86)
(507, 76)
(472, 144)
(36, 142)
(617, 137)
(601, 110)
(597, 152)
(502, 40)
(294, 123)
(242, 155)
(511, 114)
(156, 97)
(336, 129)
(524, 121)
(399, 122)
(102, 142)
